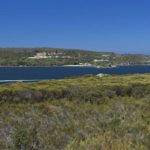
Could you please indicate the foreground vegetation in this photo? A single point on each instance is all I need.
(86, 113)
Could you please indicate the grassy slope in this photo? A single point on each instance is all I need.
(112, 112)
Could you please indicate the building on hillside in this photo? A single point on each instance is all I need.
(39, 55)
(104, 55)
(101, 60)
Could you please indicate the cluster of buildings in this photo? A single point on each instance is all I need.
(104, 58)
(95, 62)
(44, 55)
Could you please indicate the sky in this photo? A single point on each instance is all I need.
(121, 26)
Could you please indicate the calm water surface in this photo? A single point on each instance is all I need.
(10, 74)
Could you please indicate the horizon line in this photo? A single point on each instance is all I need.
(102, 51)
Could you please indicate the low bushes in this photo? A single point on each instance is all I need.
(119, 123)
(74, 89)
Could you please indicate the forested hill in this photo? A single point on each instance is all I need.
(59, 57)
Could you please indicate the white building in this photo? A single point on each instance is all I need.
(101, 60)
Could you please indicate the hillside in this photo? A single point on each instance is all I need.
(90, 112)
(59, 57)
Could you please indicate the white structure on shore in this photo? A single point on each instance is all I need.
(101, 75)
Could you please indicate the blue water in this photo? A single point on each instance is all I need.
(10, 74)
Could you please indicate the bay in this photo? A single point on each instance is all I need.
(26, 74)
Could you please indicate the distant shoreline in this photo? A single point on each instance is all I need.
(92, 66)
(56, 66)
